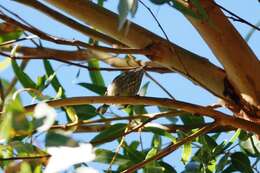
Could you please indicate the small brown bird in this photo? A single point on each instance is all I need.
(125, 84)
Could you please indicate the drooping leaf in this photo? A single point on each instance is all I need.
(241, 162)
(161, 132)
(251, 146)
(189, 119)
(25, 80)
(186, 153)
(95, 75)
(223, 162)
(154, 169)
(112, 132)
(57, 139)
(124, 7)
(105, 156)
(54, 80)
(132, 153)
(85, 112)
(100, 90)
(251, 32)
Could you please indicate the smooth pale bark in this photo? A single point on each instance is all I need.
(239, 61)
(197, 68)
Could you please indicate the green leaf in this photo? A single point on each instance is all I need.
(232, 139)
(154, 169)
(85, 112)
(26, 149)
(13, 120)
(100, 90)
(25, 168)
(186, 152)
(251, 32)
(189, 119)
(95, 75)
(159, 2)
(223, 162)
(124, 7)
(241, 162)
(4, 64)
(105, 156)
(167, 167)
(57, 139)
(112, 132)
(186, 11)
(192, 167)
(172, 119)
(25, 80)
(161, 132)
(132, 153)
(6, 128)
(13, 35)
(54, 80)
(251, 146)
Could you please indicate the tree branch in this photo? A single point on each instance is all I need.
(54, 39)
(200, 70)
(84, 54)
(223, 119)
(239, 61)
(70, 22)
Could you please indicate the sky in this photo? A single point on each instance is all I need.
(178, 29)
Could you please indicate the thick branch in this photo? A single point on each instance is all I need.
(222, 118)
(239, 61)
(85, 54)
(198, 69)
(70, 22)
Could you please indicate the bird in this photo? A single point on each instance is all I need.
(125, 84)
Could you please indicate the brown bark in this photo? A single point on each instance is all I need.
(197, 68)
(239, 61)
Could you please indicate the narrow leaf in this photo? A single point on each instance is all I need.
(100, 90)
(112, 132)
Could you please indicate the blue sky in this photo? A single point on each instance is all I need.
(178, 29)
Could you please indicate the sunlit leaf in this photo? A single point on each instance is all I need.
(5, 63)
(186, 152)
(95, 75)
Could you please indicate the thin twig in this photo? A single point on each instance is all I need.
(166, 37)
(30, 57)
(162, 87)
(25, 157)
(77, 43)
(236, 17)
